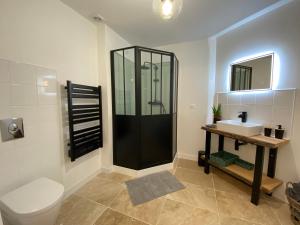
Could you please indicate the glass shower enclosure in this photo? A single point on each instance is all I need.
(144, 97)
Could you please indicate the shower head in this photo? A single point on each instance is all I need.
(144, 67)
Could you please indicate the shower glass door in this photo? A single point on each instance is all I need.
(125, 118)
(156, 118)
(155, 83)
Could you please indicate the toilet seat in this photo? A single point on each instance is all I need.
(33, 198)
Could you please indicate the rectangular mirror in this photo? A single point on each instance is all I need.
(252, 74)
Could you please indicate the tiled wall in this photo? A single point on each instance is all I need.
(29, 92)
(269, 108)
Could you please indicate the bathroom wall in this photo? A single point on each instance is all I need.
(192, 95)
(48, 34)
(107, 40)
(269, 108)
(29, 92)
(278, 32)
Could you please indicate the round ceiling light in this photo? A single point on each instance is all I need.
(167, 9)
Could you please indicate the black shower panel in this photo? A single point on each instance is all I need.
(144, 91)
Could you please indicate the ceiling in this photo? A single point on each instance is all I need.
(135, 21)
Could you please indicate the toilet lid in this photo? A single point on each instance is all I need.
(34, 197)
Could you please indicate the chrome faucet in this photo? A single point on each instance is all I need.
(243, 116)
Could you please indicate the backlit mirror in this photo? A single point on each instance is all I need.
(252, 74)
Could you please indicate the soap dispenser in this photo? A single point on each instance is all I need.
(279, 132)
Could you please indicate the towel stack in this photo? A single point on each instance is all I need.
(294, 192)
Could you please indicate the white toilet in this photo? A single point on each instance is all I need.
(36, 203)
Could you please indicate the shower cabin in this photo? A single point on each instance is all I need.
(144, 97)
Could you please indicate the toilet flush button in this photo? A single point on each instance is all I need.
(11, 129)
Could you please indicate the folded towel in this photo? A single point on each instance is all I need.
(294, 195)
(296, 187)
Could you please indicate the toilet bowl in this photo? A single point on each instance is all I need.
(36, 203)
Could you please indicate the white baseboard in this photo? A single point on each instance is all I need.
(81, 183)
(144, 172)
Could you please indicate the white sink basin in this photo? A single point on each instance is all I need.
(237, 127)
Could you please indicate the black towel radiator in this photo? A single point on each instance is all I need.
(84, 138)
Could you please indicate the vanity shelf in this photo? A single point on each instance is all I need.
(259, 181)
(268, 184)
(261, 140)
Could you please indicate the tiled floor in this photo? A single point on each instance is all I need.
(214, 199)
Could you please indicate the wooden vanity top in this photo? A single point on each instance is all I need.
(261, 140)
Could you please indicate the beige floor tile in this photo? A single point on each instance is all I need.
(202, 217)
(281, 210)
(197, 204)
(266, 213)
(194, 177)
(284, 214)
(101, 190)
(234, 221)
(233, 205)
(224, 182)
(195, 196)
(117, 177)
(147, 212)
(188, 164)
(68, 205)
(174, 213)
(262, 214)
(79, 211)
(229, 204)
(110, 217)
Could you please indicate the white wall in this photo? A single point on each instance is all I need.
(279, 32)
(108, 40)
(51, 35)
(192, 95)
(29, 92)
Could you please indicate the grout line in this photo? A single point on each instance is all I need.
(100, 215)
(273, 210)
(218, 208)
(160, 211)
(109, 207)
(94, 202)
(117, 195)
(190, 205)
(116, 210)
(129, 216)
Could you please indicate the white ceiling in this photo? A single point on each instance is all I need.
(135, 21)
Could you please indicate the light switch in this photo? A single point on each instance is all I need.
(193, 106)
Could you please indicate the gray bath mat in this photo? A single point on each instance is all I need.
(152, 186)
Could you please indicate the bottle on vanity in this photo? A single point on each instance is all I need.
(268, 131)
(279, 132)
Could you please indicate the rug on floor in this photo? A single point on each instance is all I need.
(147, 188)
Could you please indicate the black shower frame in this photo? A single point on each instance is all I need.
(138, 103)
